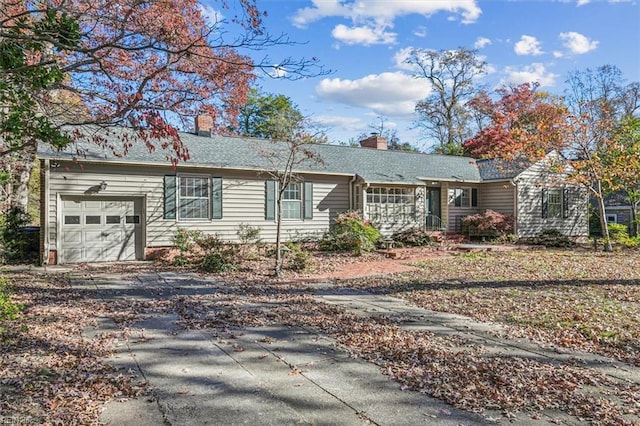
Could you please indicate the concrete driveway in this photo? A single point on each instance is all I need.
(277, 375)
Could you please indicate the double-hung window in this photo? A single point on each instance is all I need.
(292, 201)
(192, 197)
(463, 197)
(297, 200)
(555, 203)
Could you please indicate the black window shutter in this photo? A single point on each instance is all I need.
(545, 203)
(270, 200)
(216, 198)
(474, 197)
(308, 200)
(565, 203)
(170, 197)
(458, 197)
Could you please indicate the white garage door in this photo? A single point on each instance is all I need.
(100, 229)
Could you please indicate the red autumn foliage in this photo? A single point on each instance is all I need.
(521, 122)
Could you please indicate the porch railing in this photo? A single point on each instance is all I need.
(434, 223)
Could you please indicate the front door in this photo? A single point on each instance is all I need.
(433, 209)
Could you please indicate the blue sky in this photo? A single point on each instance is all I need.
(364, 42)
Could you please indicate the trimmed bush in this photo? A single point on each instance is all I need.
(549, 238)
(350, 233)
(219, 255)
(297, 258)
(618, 233)
(414, 237)
(490, 223)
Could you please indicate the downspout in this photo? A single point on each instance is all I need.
(44, 214)
(351, 182)
(515, 206)
(364, 201)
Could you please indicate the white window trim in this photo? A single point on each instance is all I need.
(380, 212)
(453, 194)
(613, 216)
(179, 197)
(299, 201)
(556, 214)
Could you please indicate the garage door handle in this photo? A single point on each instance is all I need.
(104, 234)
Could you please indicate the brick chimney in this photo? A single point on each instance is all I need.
(204, 123)
(374, 141)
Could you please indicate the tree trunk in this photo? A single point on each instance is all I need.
(20, 167)
(278, 265)
(603, 219)
(635, 224)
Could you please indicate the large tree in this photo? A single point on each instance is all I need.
(584, 130)
(147, 64)
(519, 118)
(444, 115)
(624, 160)
(598, 101)
(269, 116)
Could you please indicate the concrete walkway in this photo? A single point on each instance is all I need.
(278, 374)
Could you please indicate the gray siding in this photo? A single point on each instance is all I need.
(530, 222)
(243, 200)
(497, 196)
(456, 213)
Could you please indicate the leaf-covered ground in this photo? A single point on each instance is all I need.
(578, 300)
(585, 301)
(49, 372)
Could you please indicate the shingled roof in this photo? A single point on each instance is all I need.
(499, 169)
(372, 165)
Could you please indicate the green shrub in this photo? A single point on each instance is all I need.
(618, 233)
(553, 238)
(9, 310)
(414, 237)
(248, 234)
(350, 233)
(216, 262)
(185, 241)
(297, 258)
(218, 255)
(18, 245)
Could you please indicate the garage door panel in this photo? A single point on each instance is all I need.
(72, 254)
(72, 237)
(98, 230)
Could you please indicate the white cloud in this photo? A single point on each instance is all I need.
(401, 56)
(211, 15)
(278, 72)
(577, 43)
(421, 31)
(341, 122)
(528, 45)
(375, 16)
(383, 9)
(363, 35)
(481, 42)
(583, 2)
(535, 72)
(390, 94)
